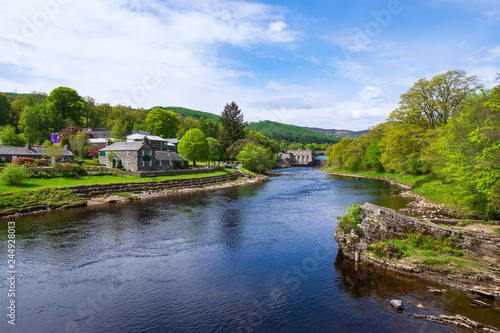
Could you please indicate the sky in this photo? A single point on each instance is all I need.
(336, 64)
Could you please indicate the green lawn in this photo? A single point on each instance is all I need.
(41, 184)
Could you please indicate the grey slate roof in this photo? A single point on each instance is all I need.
(168, 156)
(117, 146)
(25, 151)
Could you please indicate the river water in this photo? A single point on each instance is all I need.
(258, 258)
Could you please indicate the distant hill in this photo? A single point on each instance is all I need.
(191, 113)
(338, 133)
(290, 133)
(15, 95)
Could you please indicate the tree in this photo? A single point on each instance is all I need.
(467, 153)
(4, 109)
(163, 123)
(430, 103)
(50, 119)
(216, 152)
(9, 138)
(29, 124)
(55, 153)
(69, 104)
(118, 131)
(232, 125)
(255, 158)
(79, 143)
(185, 125)
(194, 146)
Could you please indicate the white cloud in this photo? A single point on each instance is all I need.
(141, 53)
(372, 94)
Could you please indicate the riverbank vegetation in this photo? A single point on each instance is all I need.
(443, 140)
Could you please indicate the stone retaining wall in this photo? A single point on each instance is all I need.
(173, 172)
(154, 186)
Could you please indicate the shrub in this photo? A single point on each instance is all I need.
(350, 221)
(13, 175)
(23, 161)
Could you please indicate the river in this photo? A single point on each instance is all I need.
(257, 258)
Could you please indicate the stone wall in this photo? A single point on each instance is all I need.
(154, 186)
(174, 172)
(381, 224)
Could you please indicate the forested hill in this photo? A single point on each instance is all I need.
(192, 113)
(290, 133)
(339, 133)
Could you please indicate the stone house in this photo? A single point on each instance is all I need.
(138, 156)
(7, 154)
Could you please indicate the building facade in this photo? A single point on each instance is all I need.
(7, 154)
(138, 156)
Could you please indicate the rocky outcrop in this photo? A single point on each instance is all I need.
(382, 224)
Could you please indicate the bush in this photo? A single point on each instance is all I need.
(13, 175)
(350, 221)
(23, 161)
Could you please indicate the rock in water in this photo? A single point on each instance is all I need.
(397, 304)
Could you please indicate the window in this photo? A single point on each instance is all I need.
(107, 162)
(161, 164)
(143, 153)
(128, 162)
(150, 163)
(128, 153)
(150, 153)
(142, 163)
(3, 158)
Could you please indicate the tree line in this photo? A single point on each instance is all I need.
(447, 127)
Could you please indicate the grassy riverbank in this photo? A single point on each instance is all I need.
(426, 186)
(32, 184)
(48, 194)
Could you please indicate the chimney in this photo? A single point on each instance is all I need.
(28, 145)
(108, 142)
(66, 147)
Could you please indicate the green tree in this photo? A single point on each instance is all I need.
(51, 121)
(431, 103)
(194, 146)
(163, 123)
(9, 138)
(233, 150)
(185, 125)
(373, 155)
(232, 125)
(338, 155)
(79, 144)
(69, 104)
(4, 109)
(255, 158)
(216, 152)
(467, 153)
(29, 124)
(118, 131)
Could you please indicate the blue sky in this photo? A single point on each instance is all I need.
(331, 64)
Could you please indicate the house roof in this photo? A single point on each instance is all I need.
(25, 151)
(139, 137)
(119, 146)
(168, 156)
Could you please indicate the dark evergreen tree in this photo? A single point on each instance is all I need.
(232, 125)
